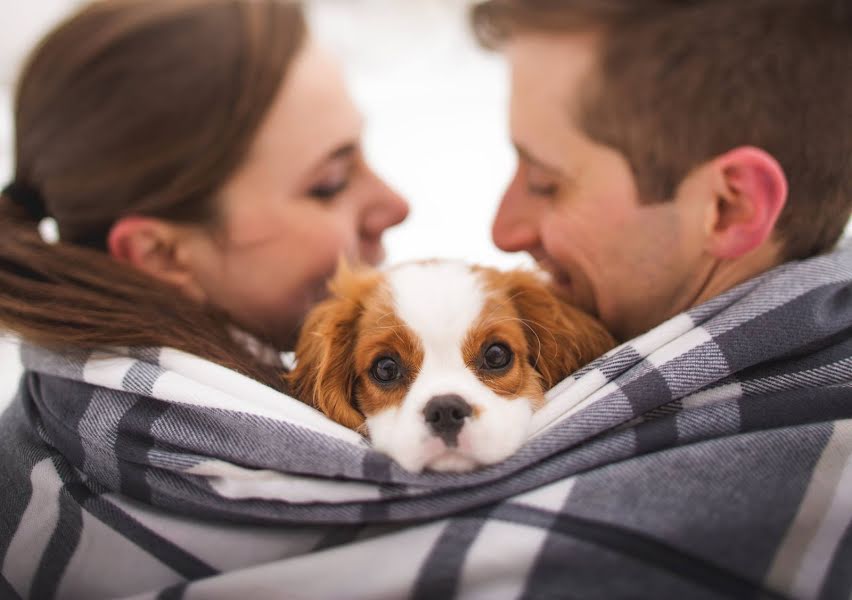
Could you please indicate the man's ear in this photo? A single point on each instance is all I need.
(154, 247)
(750, 191)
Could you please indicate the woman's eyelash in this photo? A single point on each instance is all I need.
(337, 177)
(326, 192)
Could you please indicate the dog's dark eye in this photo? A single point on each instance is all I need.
(386, 370)
(496, 356)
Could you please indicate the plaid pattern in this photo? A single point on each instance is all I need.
(711, 457)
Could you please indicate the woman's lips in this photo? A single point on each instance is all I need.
(374, 256)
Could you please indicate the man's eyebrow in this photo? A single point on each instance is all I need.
(527, 156)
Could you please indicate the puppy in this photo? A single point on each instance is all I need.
(440, 363)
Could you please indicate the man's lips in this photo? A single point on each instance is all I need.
(557, 277)
(561, 280)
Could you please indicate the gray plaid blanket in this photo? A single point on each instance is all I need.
(711, 457)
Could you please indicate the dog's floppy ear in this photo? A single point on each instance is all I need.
(561, 337)
(324, 376)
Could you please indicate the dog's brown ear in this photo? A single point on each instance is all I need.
(324, 376)
(561, 337)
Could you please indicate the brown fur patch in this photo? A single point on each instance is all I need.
(560, 338)
(339, 342)
(382, 334)
(500, 323)
(325, 374)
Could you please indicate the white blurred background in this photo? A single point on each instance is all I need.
(435, 107)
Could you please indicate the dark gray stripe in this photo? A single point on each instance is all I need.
(788, 329)
(20, 450)
(666, 410)
(61, 548)
(7, 592)
(133, 443)
(60, 406)
(818, 355)
(377, 467)
(175, 592)
(440, 573)
(629, 543)
(140, 378)
(710, 498)
(838, 582)
(795, 408)
(338, 536)
(655, 435)
(647, 391)
(148, 355)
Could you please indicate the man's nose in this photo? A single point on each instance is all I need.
(515, 226)
(445, 416)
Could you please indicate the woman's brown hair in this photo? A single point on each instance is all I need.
(133, 107)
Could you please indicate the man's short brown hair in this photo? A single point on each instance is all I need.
(683, 81)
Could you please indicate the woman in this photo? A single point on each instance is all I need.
(201, 161)
(207, 144)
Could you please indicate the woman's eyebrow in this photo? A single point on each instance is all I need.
(345, 150)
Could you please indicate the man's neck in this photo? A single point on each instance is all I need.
(725, 274)
(710, 279)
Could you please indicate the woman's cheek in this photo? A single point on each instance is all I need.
(340, 239)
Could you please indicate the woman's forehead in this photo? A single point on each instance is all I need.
(312, 115)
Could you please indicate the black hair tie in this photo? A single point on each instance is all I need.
(27, 197)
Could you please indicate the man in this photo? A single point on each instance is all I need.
(657, 141)
(669, 154)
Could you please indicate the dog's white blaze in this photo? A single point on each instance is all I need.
(440, 302)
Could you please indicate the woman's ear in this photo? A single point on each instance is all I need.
(155, 247)
(324, 376)
(561, 338)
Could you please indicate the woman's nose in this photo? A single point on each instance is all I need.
(515, 226)
(385, 209)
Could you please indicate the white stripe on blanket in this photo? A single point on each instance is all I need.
(238, 483)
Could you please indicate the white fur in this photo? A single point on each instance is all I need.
(440, 302)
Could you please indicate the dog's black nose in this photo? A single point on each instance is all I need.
(445, 416)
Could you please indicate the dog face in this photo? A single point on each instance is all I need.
(442, 364)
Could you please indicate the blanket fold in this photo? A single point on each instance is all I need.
(710, 457)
